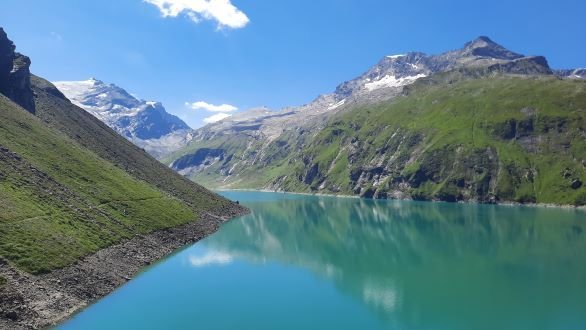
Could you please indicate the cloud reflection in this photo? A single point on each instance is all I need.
(210, 258)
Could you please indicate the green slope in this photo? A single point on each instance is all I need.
(57, 112)
(61, 201)
(513, 139)
(450, 137)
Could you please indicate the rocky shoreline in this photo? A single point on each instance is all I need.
(33, 302)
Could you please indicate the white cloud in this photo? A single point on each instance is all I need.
(211, 107)
(56, 36)
(221, 11)
(216, 118)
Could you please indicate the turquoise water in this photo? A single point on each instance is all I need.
(306, 262)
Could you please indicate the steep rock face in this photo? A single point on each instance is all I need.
(145, 123)
(202, 158)
(6, 61)
(15, 74)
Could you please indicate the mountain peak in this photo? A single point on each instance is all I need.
(484, 39)
(129, 116)
(483, 46)
(94, 81)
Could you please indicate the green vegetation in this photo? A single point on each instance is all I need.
(2, 281)
(60, 201)
(95, 136)
(515, 139)
(498, 138)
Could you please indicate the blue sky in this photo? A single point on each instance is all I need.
(274, 53)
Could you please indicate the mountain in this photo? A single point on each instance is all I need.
(145, 123)
(83, 209)
(382, 82)
(481, 123)
(573, 73)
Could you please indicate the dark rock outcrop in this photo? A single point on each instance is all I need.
(199, 158)
(6, 58)
(15, 74)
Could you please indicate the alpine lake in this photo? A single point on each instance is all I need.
(313, 262)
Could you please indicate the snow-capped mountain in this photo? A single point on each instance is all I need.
(394, 72)
(383, 81)
(146, 123)
(256, 132)
(572, 73)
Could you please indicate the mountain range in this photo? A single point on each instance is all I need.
(481, 123)
(146, 123)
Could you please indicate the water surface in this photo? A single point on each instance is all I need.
(306, 262)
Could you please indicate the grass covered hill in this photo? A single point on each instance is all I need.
(464, 135)
(77, 124)
(70, 186)
(500, 138)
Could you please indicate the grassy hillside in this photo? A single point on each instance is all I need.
(60, 114)
(509, 139)
(496, 138)
(60, 201)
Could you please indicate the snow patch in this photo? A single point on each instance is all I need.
(396, 56)
(392, 81)
(337, 105)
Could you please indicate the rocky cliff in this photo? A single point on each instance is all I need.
(15, 74)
